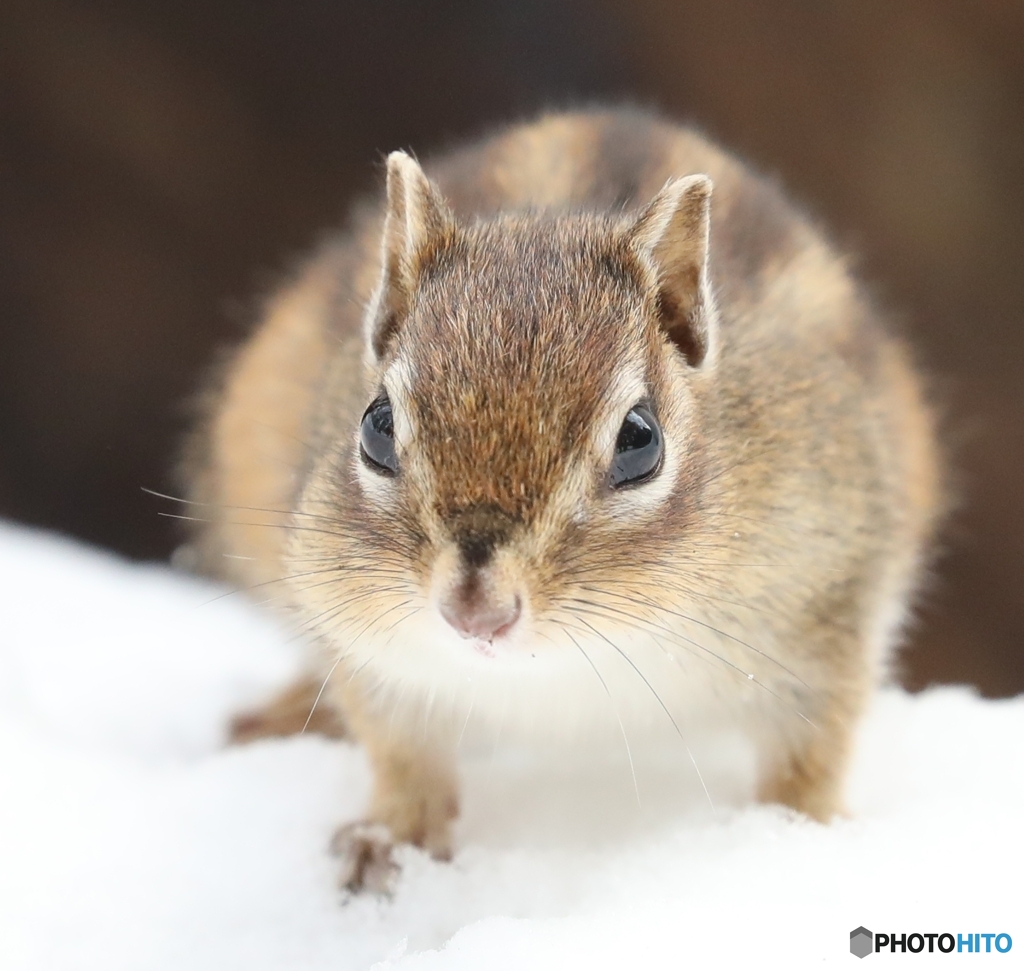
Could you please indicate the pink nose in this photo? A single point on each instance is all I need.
(480, 617)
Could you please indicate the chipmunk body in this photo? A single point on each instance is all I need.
(561, 436)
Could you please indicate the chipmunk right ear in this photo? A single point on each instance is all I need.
(671, 236)
(416, 222)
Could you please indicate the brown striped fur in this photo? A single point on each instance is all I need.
(521, 288)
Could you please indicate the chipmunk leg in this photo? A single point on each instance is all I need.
(299, 707)
(415, 800)
(806, 766)
(808, 774)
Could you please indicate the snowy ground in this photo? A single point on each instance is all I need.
(131, 838)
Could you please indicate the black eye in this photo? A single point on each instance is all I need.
(638, 449)
(377, 437)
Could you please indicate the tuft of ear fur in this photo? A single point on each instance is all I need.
(416, 221)
(671, 237)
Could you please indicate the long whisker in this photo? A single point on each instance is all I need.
(603, 610)
(267, 509)
(338, 604)
(472, 702)
(288, 526)
(316, 700)
(796, 711)
(664, 708)
(707, 626)
(264, 583)
(615, 710)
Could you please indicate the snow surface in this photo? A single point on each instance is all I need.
(130, 837)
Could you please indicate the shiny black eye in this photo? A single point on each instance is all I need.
(638, 449)
(377, 437)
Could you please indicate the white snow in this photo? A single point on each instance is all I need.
(130, 837)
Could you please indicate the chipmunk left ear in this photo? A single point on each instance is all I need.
(671, 236)
(416, 222)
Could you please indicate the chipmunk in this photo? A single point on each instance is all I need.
(585, 397)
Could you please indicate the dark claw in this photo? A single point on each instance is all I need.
(365, 850)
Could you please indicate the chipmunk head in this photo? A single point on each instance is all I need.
(532, 419)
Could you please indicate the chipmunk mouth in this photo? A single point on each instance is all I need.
(483, 647)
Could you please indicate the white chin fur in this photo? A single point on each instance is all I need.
(544, 684)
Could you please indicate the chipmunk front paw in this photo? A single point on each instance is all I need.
(365, 850)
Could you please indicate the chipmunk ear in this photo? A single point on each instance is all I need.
(416, 222)
(671, 236)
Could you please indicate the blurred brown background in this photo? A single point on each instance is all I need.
(162, 162)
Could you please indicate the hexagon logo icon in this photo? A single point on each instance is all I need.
(860, 942)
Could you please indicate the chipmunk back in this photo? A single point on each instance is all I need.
(584, 421)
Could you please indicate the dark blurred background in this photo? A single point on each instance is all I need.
(162, 162)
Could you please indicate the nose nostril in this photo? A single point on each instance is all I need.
(511, 616)
(482, 619)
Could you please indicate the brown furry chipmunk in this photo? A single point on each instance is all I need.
(555, 409)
